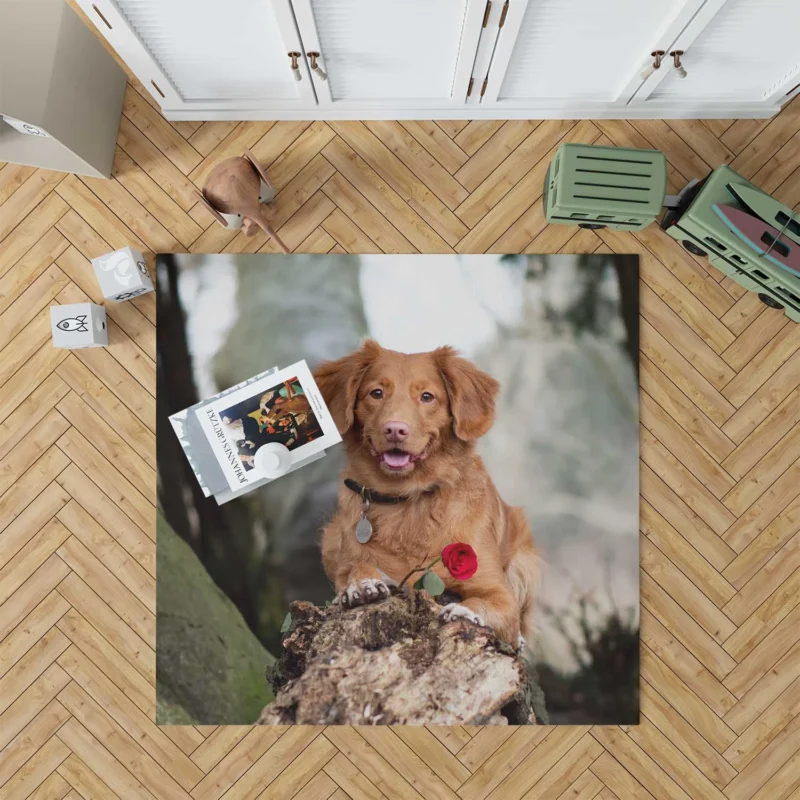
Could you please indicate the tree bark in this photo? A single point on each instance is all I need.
(627, 269)
(393, 662)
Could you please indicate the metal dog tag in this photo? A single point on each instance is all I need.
(364, 526)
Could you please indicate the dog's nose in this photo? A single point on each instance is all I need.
(395, 431)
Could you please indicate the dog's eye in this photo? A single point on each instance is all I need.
(377, 394)
(426, 397)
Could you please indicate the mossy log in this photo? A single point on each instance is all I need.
(393, 662)
(209, 665)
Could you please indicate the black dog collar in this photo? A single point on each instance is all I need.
(371, 496)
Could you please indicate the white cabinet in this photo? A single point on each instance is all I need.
(411, 54)
(228, 57)
(429, 59)
(737, 51)
(544, 60)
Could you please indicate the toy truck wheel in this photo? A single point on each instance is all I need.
(592, 226)
(769, 301)
(693, 248)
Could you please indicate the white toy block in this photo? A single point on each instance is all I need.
(122, 274)
(78, 325)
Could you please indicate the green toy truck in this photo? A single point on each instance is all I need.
(696, 225)
(598, 187)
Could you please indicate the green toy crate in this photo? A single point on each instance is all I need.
(702, 232)
(605, 187)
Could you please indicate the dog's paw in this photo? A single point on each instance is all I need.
(454, 611)
(358, 593)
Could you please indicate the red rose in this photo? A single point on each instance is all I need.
(460, 560)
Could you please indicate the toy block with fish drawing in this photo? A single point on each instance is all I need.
(122, 274)
(78, 325)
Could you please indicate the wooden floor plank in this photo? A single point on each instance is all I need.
(84, 782)
(681, 554)
(681, 516)
(419, 161)
(777, 604)
(12, 176)
(91, 606)
(777, 719)
(120, 744)
(766, 695)
(159, 131)
(689, 632)
(685, 738)
(661, 425)
(235, 763)
(107, 586)
(36, 770)
(148, 157)
(680, 588)
(101, 768)
(394, 197)
(686, 702)
(154, 199)
(129, 718)
(32, 192)
(501, 199)
(388, 202)
(284, 167)
(437, 143)
(109, 516)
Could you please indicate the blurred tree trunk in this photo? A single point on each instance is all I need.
(208, 528)
(627, 269)
(176, 391)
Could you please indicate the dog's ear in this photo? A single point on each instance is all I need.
(339, 382)
(471, 392)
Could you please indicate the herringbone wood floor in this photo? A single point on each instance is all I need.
(720, 471)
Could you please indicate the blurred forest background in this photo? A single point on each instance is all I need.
(559, 332)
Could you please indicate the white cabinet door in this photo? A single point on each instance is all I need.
(578, 54)
(208, 54)
(735, 51)
(391, 55)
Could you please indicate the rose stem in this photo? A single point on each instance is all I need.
(418, 569)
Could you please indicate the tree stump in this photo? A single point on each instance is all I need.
(393, 662)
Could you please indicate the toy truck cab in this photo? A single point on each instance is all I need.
(703, 232)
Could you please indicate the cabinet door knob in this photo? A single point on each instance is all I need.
(294, 65)
(315, 68)
(657, 56)
(676, 59)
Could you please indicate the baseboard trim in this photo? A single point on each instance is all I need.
(733, 111)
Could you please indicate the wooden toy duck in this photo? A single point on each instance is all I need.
(234, 193)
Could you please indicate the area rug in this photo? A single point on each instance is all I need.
(398, 489)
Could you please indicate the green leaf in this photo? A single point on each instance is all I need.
(432, 584)
(287, 622)
(418, 584)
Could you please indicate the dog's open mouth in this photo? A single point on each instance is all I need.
(397, 460)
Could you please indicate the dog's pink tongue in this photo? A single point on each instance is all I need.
(396, 460)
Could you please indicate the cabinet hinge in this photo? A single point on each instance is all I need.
(483, 88)
(486, 13)
(503, 15)
(469, 88)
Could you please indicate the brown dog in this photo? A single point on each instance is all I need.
(410, 423)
